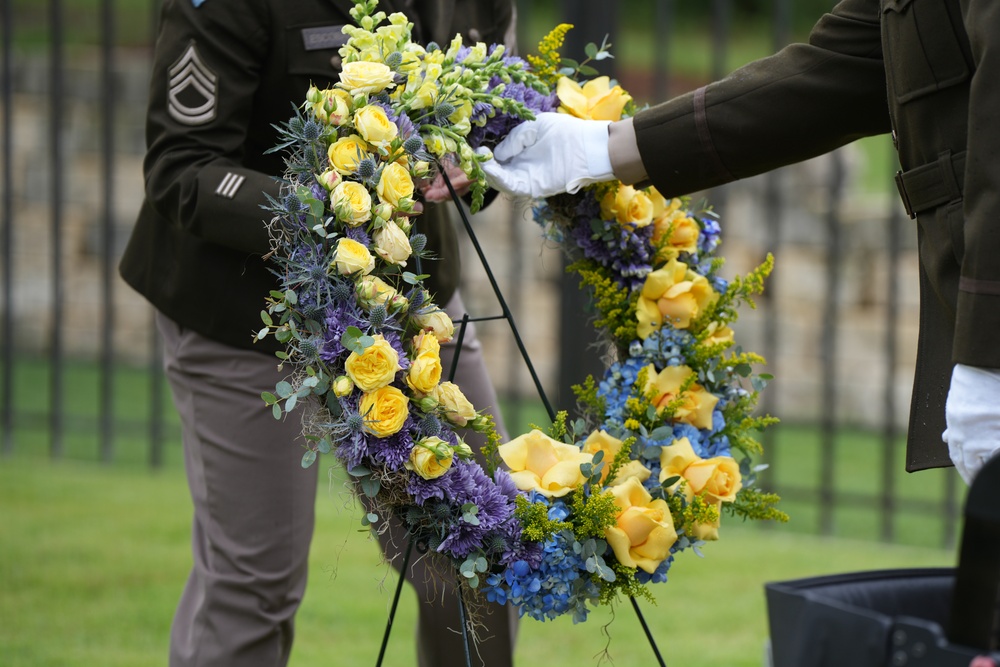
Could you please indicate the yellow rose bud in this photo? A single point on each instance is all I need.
(343, 386)
(716, 480)
(385, 411)
(438, 322)
(374, 126)
(352, 203)
(352, 257)
(392, 244)
(696, 405)
(431, 457)
(375, 367)
(313, 96)
(384, 211)
(425, 373)
(540, 463)
(332, 108)
(394, 184)
(674, 295)
(463, 451)
(345, 154)
(644, 529)
(372, 290)
(329, 179)
(595, 100)
(398, 303)
(362, 78)
(457, 408)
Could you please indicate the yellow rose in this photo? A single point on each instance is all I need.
(352, 257)
(352, 203)
(374, 126)
(438, 322)
(425, 95)
(673, 294)
(628, 206)
(345, 154)
(425, 370)
(644, 529)
(431, 457)
(631, 470)
(395, 184)
(392, 244)
(595, 100)
(375, 367)
(385, 411)
(697, 404)
(539, 463)
(718, 478)
(457, 408)
(362, 78)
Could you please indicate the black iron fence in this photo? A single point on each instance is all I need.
(81, 376)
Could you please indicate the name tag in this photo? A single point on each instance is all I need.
(326, 37)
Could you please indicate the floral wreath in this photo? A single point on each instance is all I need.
(584, 510)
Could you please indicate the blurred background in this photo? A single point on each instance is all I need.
(88, 437)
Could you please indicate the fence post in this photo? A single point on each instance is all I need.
(106, 432)
(56, 360)
(7, 240)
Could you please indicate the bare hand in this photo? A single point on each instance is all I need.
(437, 190)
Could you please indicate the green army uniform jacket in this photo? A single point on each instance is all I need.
(224, 74)
(926, 70)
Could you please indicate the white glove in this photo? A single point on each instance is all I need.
(554, 153)
(972, 413)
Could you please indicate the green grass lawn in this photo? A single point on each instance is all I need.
(93, 558)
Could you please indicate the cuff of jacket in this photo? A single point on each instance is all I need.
(623, 149)
(229, 213)
(677, 148)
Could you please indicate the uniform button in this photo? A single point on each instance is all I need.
(895, 140)
(335, 61)
(475, 35)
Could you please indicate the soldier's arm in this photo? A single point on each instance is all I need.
(978, 316)
(804, 101)
(205, 76)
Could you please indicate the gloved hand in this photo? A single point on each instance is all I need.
(972, 412)
(554, 153)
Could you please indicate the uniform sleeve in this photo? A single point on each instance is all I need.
(804, 101)
(206, 74)
(978, 315)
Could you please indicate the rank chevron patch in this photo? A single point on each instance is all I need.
(192, 92)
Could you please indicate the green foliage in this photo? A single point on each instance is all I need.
(592, 513)
(621, 458)
(535, 522)
(625, 584)
(587, 399)
(742, 290)
(752, 503)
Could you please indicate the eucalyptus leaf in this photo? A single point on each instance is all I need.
(291, 402)
(265, 317)
(370, 486)
(308, 458)
(268, 397)
(587, 70)
(590, 49)
(262, 334)
(276, 411)
(284, 389)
